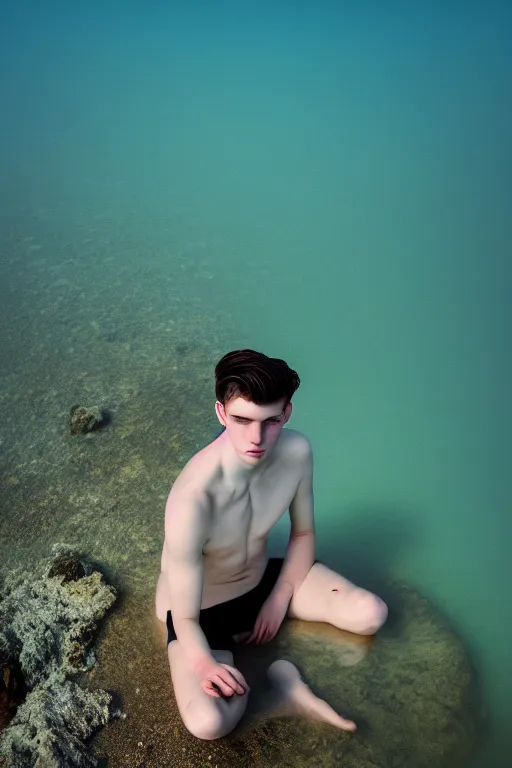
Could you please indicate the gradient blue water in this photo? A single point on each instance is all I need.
(347, 169)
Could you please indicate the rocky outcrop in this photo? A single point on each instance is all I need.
(47, 623)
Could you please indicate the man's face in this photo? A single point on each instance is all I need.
(253, 429)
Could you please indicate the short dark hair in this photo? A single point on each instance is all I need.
(255, 377)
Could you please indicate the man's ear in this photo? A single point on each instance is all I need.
(288, 412)
(221, 413)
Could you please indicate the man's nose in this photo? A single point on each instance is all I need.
(256, 433)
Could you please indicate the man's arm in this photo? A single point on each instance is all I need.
(187, 524)
(186, 531)
(300, 553)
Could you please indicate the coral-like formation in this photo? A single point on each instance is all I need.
(52, 725)
(47, 621)
(84, 420)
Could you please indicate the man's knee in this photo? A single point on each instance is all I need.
(208, 725)
(370, 613)
(217, 719)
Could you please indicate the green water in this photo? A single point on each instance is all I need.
(325, 184)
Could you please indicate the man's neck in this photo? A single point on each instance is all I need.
(235, 470)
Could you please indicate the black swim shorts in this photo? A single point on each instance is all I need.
(220, 622)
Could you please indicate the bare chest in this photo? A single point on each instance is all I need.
(242, 519)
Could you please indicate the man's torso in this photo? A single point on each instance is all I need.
(242, 514)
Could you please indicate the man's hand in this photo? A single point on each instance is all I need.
(220, 680)
(270, 617)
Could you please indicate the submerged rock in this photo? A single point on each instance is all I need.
(68, 567)
(84, 420)
(47, 622)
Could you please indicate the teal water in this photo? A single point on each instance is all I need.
(334, 180)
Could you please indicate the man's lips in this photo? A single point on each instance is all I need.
(255, 453)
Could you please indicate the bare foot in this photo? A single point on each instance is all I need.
(297, 699)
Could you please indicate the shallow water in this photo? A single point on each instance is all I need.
(327, 186)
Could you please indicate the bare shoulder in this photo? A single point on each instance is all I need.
(196, 477)
(296, 446)
(188, 507)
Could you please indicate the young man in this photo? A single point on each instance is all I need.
(216, 585)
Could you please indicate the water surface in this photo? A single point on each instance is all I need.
(330, 185)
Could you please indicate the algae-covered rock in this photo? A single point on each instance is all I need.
(68, 567)
(84, 419)
(47, 622)
(51, 726)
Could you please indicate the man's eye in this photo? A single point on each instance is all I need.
(277, 420)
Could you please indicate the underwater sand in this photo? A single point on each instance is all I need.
(104, 494)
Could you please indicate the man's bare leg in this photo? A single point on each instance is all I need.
(290, 696)
(212, 718)
(293, 697)
(206, 717)
(326, 596)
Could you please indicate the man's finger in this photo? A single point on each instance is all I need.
(234, 684)
(234, 678)
(210, 691)
(254, 633)
(221, 687)
(226, 688)
(222, 695)
(261, 633)
(238, 676)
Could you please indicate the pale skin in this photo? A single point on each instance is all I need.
(218, 517)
